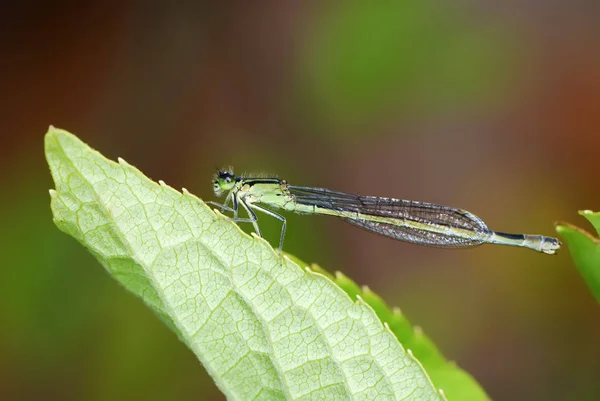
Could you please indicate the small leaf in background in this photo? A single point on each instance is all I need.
(584, 249)
(263, 327)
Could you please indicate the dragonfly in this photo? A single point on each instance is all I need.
(405, 220)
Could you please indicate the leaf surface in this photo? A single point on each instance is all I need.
(456, 383)
(263, 327)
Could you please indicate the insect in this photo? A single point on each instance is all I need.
(416, 222)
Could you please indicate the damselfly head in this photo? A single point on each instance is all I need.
(224, 181)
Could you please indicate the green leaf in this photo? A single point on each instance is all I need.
(584, 249)
(457, 384)
(263, 327)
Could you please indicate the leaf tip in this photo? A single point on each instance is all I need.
(51, 129)
(396, 311)
(418, 330)
(49, 138)
(53, 193)
(53, 132)
(185, 191)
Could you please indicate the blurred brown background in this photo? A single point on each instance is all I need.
(490, 106)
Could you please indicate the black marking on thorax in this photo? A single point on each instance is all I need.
(252, 181)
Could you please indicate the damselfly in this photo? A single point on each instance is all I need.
(417, 222)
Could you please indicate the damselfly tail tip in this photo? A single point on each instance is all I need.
(540, 243)
(550, 245)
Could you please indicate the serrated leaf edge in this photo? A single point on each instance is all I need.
(217, 214)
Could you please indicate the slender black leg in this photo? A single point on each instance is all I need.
(220, 206)
(224, 206)
(253, 219)
(278, 217)
(234, 209)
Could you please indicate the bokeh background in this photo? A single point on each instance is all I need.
(492, 106)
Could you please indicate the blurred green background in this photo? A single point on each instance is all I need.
(490, 106)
